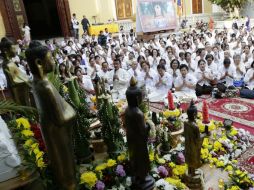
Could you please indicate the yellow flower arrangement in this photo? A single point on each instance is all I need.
(205, 143)
(233, 132)
(24, 122)
(179, 170)
(93, 99)
(88, 178)
(101, 167)
(204, 153)
(151, 156)
(121, 157)
(39, 155)
(65, 89)
(234, 188)
(220, 164)
(111, 163)
(40, 163)
(171, 113)
(229, 168)
(176, 182)
(160, 160)
(27, 133)
(172, 164)
(28, 143)
(201, 126)
(218, 146)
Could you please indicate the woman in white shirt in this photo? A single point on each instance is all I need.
(204, 77)
(154, 59)
(174, 69)
(246, 56)
(148, 76)
(164, 80)
(185, 85)
(249, 77)
(240, 71)
(227, 74)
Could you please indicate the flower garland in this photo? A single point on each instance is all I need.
(32, 154)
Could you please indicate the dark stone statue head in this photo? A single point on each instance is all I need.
(133, 94)
(39, 59)
(7, 48)
(192, 111)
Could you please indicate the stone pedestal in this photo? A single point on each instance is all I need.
(195, 182)
(147, 184)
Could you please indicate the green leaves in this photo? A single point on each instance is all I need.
(229, 5)
(9, 106)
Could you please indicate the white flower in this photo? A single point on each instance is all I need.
(167, 157)
(128, 181)
(237, 152)
(162, 184)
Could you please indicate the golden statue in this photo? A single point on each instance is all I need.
(16, 80)
(56, 117)
(193, 144)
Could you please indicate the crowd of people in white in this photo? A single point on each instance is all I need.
(190, 63)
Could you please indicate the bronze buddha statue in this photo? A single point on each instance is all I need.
(56, 116)
(16, 80)
(137, 135)
(193, 144)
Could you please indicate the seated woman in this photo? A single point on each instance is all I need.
(63, 73)
(85, 83)
(185, 85)
(248, 92)
(240, 71)
(249, 77)
(227, 74)
(204, 77)
(163, 83)
(148, 76)
(174, 68)
(164, 80)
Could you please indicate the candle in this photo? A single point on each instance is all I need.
(171, 105)
(205, 113)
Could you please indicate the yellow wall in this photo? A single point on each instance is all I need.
(208, 8)
(2, 28)
(103, 9)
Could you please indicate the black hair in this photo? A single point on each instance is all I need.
(184, 66)
(171, 63)
(186, 54)
(201, 60)
(209, 56)
(226, 61)
(91, 59)
(5, 44)
(161, 66)
(162, 60)
(35, 50)
(252, 64)
(146, 62)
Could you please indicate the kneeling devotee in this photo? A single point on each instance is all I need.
(185, 85)
(204, 77)
(119, 79)
(163, 83)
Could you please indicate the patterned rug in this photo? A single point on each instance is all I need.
(239, 110)
(246, 160)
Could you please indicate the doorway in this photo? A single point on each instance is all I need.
(43, 18)
(197, 6)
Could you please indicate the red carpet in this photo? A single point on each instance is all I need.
(240, 111)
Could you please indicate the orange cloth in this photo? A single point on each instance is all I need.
(211, 24)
